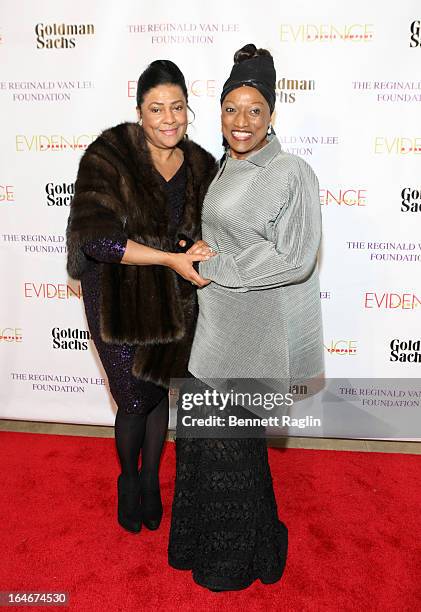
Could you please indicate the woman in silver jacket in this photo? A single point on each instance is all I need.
(259, 317)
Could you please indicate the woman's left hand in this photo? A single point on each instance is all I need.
(200, 247)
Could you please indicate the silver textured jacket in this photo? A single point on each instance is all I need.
(260, 316)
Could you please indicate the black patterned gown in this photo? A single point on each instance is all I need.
(225, 526)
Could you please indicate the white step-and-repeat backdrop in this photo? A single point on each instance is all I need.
(349, 100)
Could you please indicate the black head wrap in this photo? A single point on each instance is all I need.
(258, 72)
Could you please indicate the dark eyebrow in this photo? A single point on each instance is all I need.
(251, 103)
(162, 103)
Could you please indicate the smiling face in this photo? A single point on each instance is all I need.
(245, 119)
(164, 116)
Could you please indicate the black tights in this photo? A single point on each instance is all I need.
(146, 432)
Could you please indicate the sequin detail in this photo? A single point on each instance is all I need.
(107, 250)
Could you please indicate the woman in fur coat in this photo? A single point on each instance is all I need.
(138, 192)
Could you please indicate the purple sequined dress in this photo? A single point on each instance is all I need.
(131, 394)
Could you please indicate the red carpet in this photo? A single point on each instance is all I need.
(353, 519)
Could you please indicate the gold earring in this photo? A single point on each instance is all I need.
(140, 122)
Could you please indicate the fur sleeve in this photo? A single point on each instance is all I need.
(96, 210)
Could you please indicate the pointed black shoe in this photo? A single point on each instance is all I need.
(151, 506)
(129, 513)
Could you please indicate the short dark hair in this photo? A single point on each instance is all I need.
(160, 72)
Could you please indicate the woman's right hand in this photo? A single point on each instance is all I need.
(182, 263)
(199, 247)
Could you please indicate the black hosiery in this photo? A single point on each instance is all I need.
(156, 431)
(129, 435)
(134, 432)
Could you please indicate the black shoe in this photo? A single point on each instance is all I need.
(129, 513)
(151, 506)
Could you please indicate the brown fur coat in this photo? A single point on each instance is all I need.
(118, 192)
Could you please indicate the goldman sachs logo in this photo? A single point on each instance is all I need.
(405, 351)
(61, 35)
(287, 90)
(70, 339)
(415, 31)
(411, 199)
(59, 194)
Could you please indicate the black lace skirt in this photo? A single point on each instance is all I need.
(225, 526)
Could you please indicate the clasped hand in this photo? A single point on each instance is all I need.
(183, 262)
